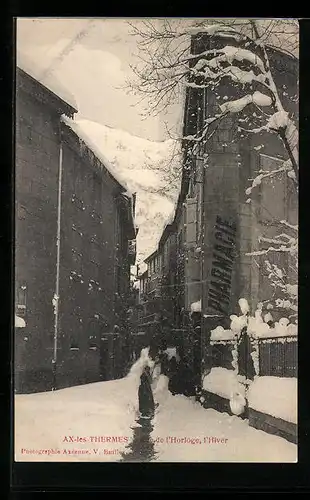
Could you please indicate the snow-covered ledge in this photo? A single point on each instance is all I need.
(258, 326)
(19, 322)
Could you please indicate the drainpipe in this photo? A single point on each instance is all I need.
(203, 287)
(55, 300)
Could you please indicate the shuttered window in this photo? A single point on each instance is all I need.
(191, 222)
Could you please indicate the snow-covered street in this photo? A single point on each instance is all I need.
(100, 422)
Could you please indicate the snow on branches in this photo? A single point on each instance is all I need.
(229, 54)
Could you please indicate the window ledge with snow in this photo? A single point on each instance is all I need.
(219, 334)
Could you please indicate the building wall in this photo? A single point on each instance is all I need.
(224, 166)
(36, 174)
(275, 199)
(87, 274)
(94, 254)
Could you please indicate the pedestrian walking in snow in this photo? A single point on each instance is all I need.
(145, 394)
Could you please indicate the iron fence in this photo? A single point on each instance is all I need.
(277, 357)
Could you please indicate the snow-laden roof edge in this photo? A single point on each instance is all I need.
(74, 126)
(50, 82)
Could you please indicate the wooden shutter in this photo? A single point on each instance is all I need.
(191, 222)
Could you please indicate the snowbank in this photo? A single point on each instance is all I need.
(19, 322)
(223, 382)
(184, 431)
(275, 396)
(49, 81)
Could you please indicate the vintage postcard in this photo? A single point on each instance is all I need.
(156, 214)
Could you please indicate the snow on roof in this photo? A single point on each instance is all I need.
(48, 80)
(141, 164)
(75, 127)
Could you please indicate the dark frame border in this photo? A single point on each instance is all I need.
(26, 477)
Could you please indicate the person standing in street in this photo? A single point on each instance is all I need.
(145, 394)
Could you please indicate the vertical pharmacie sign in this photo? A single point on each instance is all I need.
(222, 264)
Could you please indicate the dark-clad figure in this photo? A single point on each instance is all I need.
(186, 377)
(146, 400)
(174, 385)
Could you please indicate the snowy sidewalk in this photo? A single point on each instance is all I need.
(99, 422)
(184, 431)
(91, 422)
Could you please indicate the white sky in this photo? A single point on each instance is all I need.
(92, 58)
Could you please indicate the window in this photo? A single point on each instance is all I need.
(78, 202)
(77, 258)
(74, 346)
(76, 237)
(95, 251)
(118, 279)
(273, 190)
(273, 207)
(96, 217)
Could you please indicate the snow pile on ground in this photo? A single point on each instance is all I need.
(275, 396)
(223, 382)
(186, 432)
(89, 413)
(49, 80)
(138, 367)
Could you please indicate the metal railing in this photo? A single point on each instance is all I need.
(277, 357)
